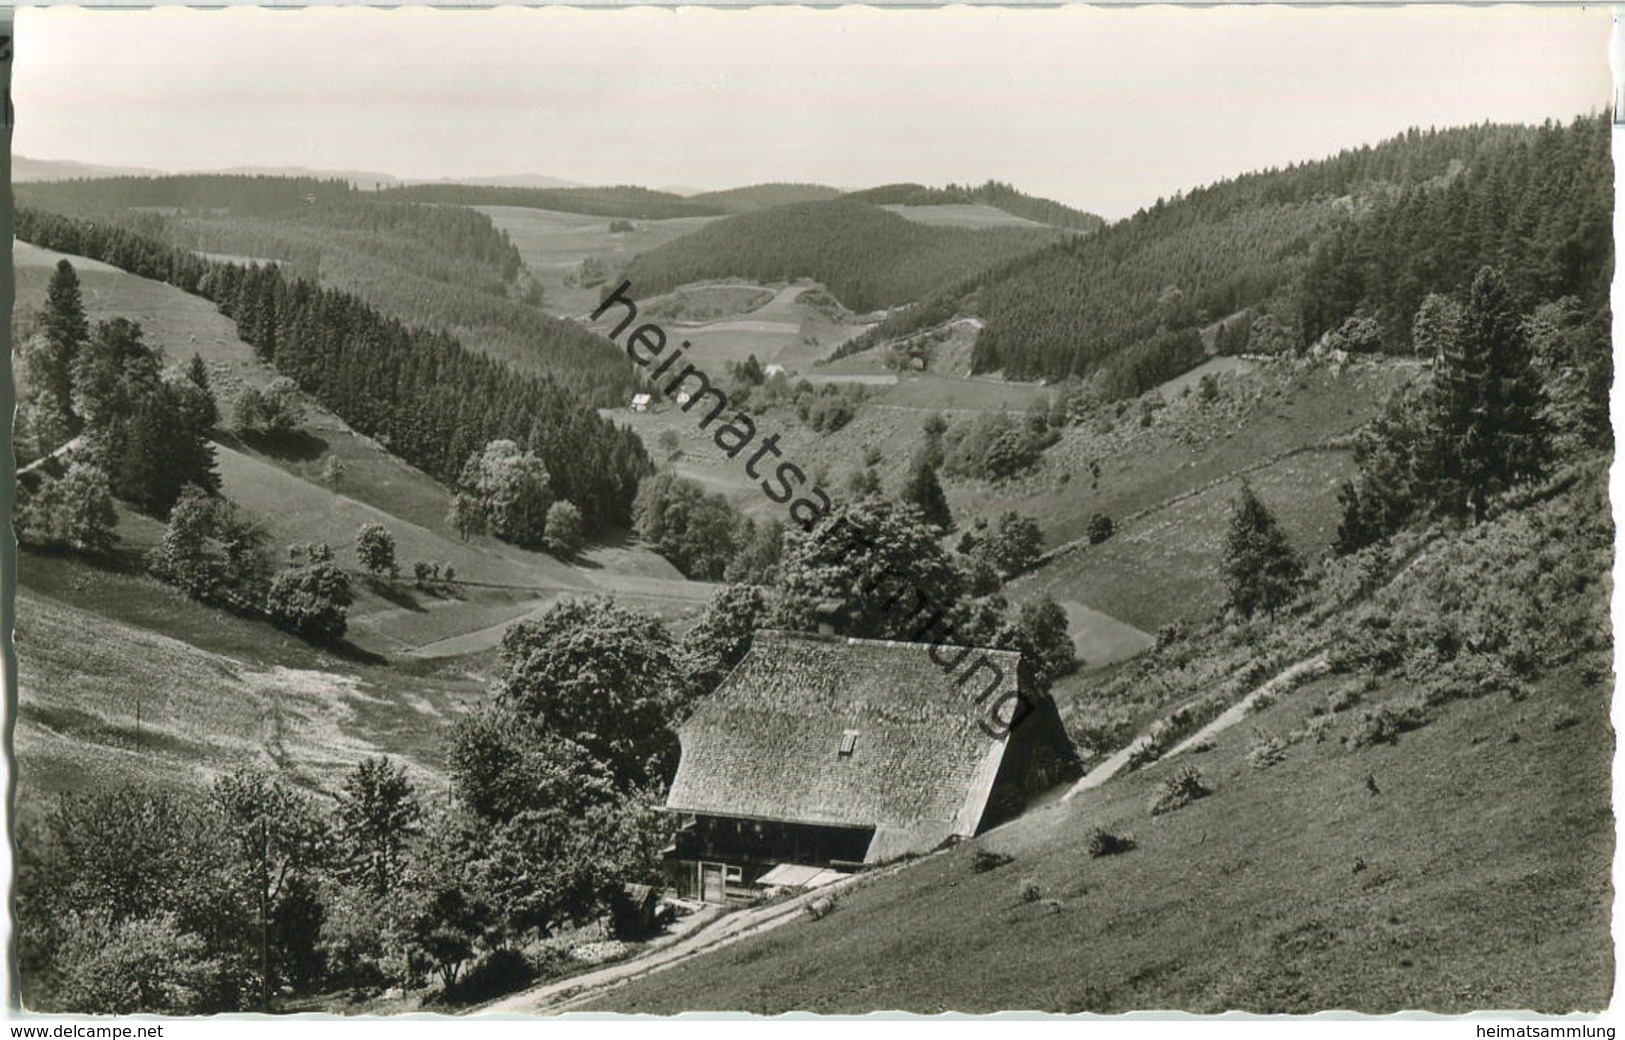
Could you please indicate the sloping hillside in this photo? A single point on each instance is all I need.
(436, 266)
(1412, 830)
(993, 194)
(1291, 254)
(868, 258)
(102, 701)
(764, 196)
(622, 201)
(282, 484)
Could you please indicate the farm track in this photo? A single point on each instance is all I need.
(560, 996)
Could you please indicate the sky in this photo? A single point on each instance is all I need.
(1103, 109)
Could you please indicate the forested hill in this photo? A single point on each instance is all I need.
(438, 266)
(1294, 252)
(419, 392)
(868, 257)
(993, 193)
(620, 201)
(764, 196)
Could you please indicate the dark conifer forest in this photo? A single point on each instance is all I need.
(1295, 253)
(418, 391)
(866, 256)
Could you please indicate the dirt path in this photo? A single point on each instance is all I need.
(43, 459)
(1307, 668)
(1310, 666)
(555, 997)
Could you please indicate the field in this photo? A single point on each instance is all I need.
(280, 483)
(1166, 482)
(1464, 867)
(149, 685)
(552, 246)
(966, 215)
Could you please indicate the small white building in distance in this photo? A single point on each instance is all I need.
(640, 402)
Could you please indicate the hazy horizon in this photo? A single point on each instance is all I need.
(1103, 109)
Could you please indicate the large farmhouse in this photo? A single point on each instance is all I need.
(818, 755)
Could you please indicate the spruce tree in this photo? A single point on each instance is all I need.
(66, 330)
(1487, 402)
(1262, 570)
(922, 489)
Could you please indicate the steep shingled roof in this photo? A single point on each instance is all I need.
(766, 744)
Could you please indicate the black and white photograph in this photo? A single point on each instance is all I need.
(580, 511)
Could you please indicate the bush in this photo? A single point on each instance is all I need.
(1344, 697)
(986, 860)
(276, 411)
(312, 599)
(564, 536)
(1104, 843)
(496, 974)
(1383, 725)
(425, 573)
(1101, 528)
(143, 965)
(1030, 891)
(1267, 750)
(1179, 790)
(821, 907)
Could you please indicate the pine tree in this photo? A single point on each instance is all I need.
(922, 489)
(1262, 570)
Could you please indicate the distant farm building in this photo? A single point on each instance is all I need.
(820, 755)
(640, 402)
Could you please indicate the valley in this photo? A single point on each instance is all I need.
(1204, 469)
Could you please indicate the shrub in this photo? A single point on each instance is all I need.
(1178, 791)
(1344, 697)
(564, 536)
(312, 599)
(1101, 527)
(425, 573)
(1104, 843)
(987, 859)
(548, 960)
(498, 973)
(1030, 891)
(821, 907)
(276, 411)
(1383, 725)
(142, 965)
(1267, 750)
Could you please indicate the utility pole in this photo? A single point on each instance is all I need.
(265, 917)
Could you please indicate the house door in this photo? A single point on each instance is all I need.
(713, 889)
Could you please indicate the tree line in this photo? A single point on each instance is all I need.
(440, 266)
(867, 257)
(620, 201)
(1296, 251)
(418, 391)
(993, 193)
